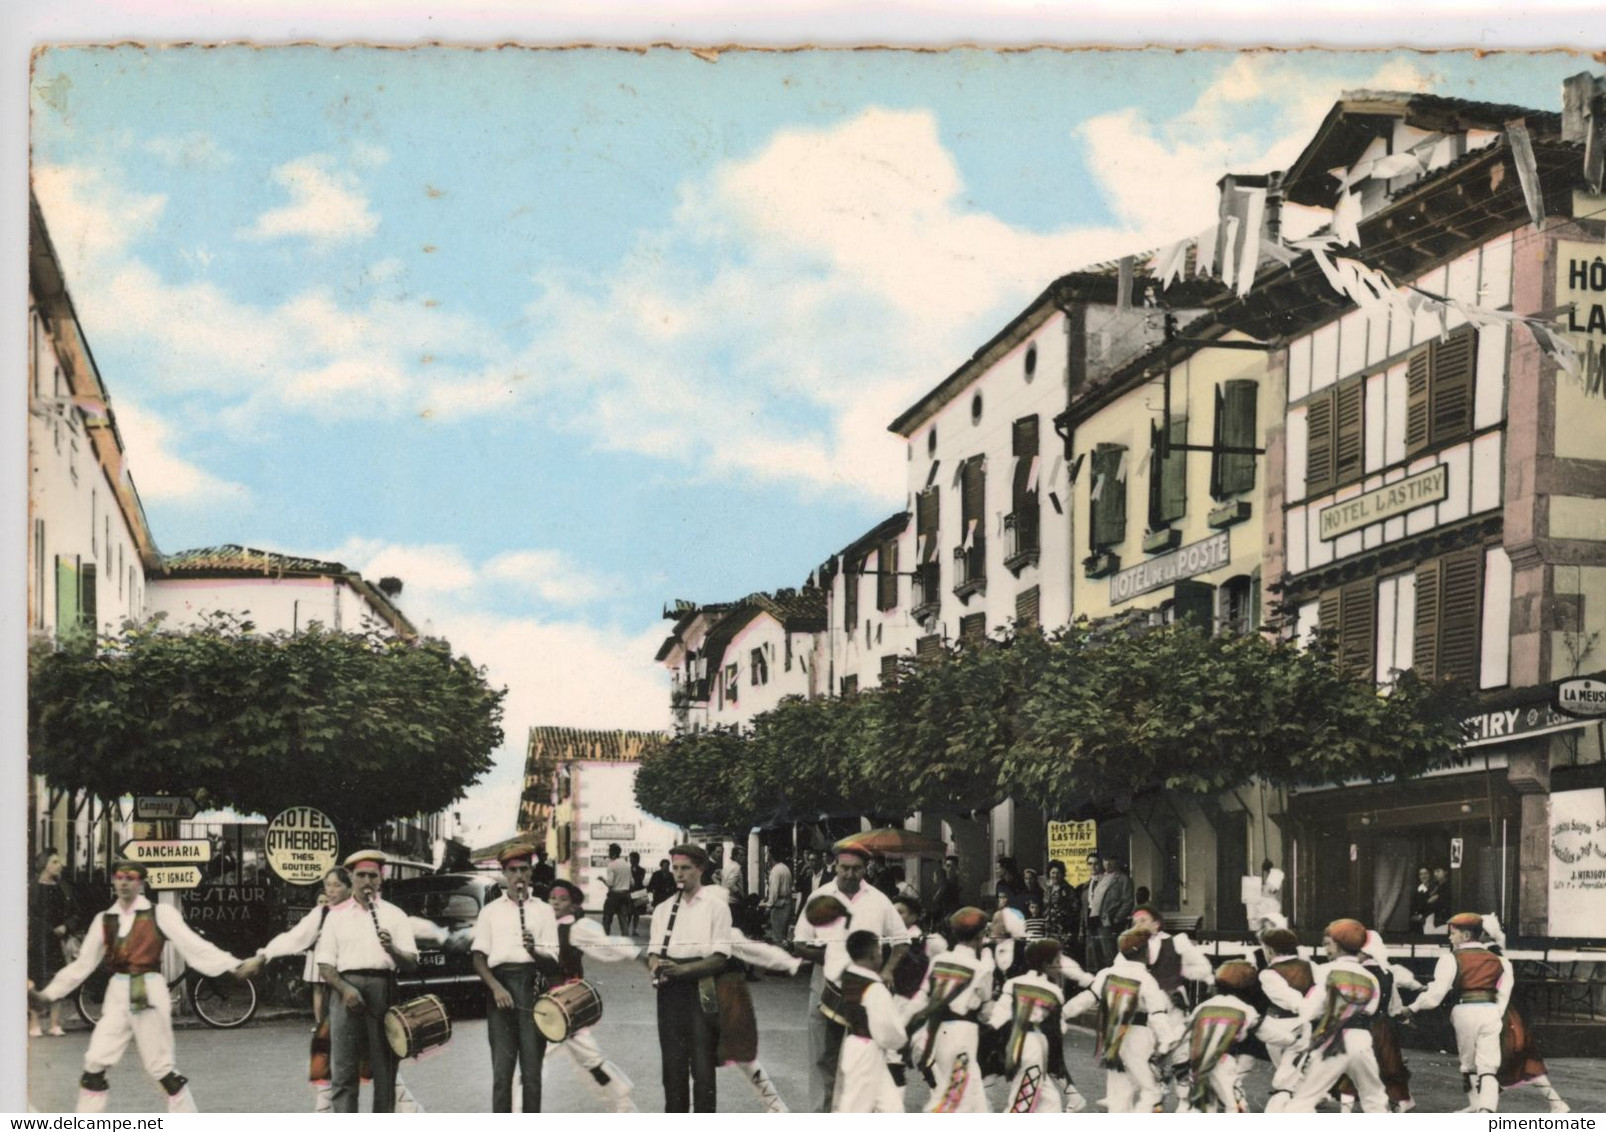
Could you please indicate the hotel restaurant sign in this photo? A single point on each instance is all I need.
(1167, 569)
(1386, 502)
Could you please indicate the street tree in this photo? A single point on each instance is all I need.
(365, 726)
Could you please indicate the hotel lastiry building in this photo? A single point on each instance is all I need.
(1393, 429)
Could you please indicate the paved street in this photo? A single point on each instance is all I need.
(262, 1067)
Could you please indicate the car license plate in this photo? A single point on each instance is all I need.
(432, 959)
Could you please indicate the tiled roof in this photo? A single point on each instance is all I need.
(232, 558)
(572, 744)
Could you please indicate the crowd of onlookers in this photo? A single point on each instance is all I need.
(1430, 901)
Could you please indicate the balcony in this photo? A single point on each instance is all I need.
(1022, 543)
(970, 570)
(927, 591)
(1101, 565)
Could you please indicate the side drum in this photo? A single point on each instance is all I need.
(565, 1010)
(417, 1025)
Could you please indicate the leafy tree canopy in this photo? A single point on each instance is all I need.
(363, 726)
(1079, 720)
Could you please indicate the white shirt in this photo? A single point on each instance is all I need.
(761, 954)
(1445, 972)
(350, 942)
(1003, 1012)
(1151, 998)
(300, 938)
(886, 1021)
(497, 935)
(779, 890)
(1229, 1002)
(587, 936)
(205, 957)
(702, 925)
(869, 910)
(975, 994)
(1316, 999)
(618, 875)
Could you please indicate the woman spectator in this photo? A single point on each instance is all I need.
(638, 890)
(1419, 899)
(48, 913)
(1059, 903)
(1009, 889)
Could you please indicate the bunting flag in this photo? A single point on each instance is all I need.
(1031, 476)
(1123, 284)
(1120, 468)
(1169, 262)
(1522, 155)
(1055, 469)
(1347, 219)
(1229, 262)
(1204, 263)
(1098, 489)
(1254, 222)
(1396, 165)
(1055, 500)
(970, 534)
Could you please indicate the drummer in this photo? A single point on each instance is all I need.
(515, 948)
(577, 938)
(364, 942)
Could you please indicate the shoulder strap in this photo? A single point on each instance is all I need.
(669, 930)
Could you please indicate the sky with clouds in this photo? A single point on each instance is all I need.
(559, 336)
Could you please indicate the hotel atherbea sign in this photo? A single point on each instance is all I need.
(1386, 502)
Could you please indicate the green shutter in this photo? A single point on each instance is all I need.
(66, 593)
(1174, 475)
(1319, 445)
(1418, 434)
(1461, 615)
(1357, 629)
(1451, 387)
(887, 578)
(1425, 635)
(1349, 432)
(1236, 404)
(1109, 509)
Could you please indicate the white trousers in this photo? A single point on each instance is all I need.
(1223, 1084)
(581, 1048)
(1281, 1037)
(863, 1082)
(151, 1030)
(1477, 1039)
(1133, 1086)
(1032, 1089)
(1355, 1057)
(959, 1085)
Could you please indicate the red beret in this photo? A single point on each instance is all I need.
(1280, 940)
(968, 923)
(1041, 951)
(1348, 934)
(823, 908)
(1134, 943)
(1467, 921)
(1235, 974)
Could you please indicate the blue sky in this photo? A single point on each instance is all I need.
(557, 336)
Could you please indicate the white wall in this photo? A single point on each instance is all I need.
(272, 604)
(765, 633)
(605, 794)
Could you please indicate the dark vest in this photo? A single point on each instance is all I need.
(1477, 976)
(853, 987)
(1167, 966)
(910, 972)
(138, 952)
(1297, 974)
(571, 964)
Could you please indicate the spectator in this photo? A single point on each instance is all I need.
(542, 874)
(1009, 887)
(715, 863)
(617, 903)
(1419, 899)
(778, 899)
(1031, 888)
(1110, 907)
(815, 873)
(1036, 925)
(948, 899)
(901, 887)
(48, 913)
(661, 885)
(1141, 896)
(638, 890)
(1437, 919)
(1059, 903)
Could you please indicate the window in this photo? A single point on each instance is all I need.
(1335, 444)
(1438, 393)
(929, 648)
(1231, 473)
(850, 685)
(973, 628)
(788, 639)
(852, 575)
(733, 683)
(927, 566)
(889, 669)
(1349, 619)
(1396, 624)
(39, 560)
(971, 555)
(1168, 478)
(975, 409)
(1107, 497)
(1031, 361)
(886, 583)
(1449, 615)
(1236, 597)
(759, 666)
(88, 606)
(1023, 523)
(931, 441)
(1028, 609)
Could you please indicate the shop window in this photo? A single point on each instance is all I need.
(1335, 442)
(1439, 393)
(1193, 603)
(1107, 497)
(1168, 482)
(1236, 403)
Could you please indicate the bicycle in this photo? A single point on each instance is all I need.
(222, 1003)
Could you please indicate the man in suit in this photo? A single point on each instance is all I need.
(1110, 908)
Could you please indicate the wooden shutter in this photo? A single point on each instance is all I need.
(926, 516)
(1108, 526)
(1236, 404)
(1425, 635)
(1349, 432)
(889, 669)
(1319, 445)
(1023, 503)
(886, 592)
(1028, 608)
(1357, 628)
(850, 593)
(928, 648)
(850, 685)
(1195, 602)
(1327, 616)
(1024, 437)
(1156, 475)
(88, 612)
(1418, 434)
(972, 507)
(973, 628)
(66, 592)
(1460, 614)
(1450, 393)
(1174, 475)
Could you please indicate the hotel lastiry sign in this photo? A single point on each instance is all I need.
(1392, 499)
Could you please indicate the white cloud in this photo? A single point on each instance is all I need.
(92, 220)
(194, 150)
(548, 574)
(326, 204)
(565, 673)
(158, 473)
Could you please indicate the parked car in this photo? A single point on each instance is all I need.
(442, 908)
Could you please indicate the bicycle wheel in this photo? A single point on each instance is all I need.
(223, 1003)
(90, 999)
